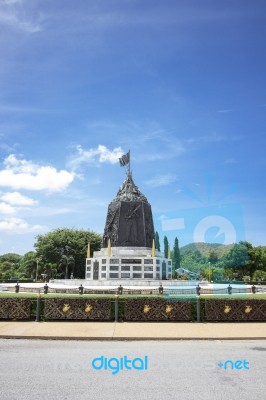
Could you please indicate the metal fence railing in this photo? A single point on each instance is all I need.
(160, 290)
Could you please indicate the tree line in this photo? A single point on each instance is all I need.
(214, 262)
(239, 261)
(61, 254)
(58, 254)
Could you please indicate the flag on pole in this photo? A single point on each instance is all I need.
(124, 160)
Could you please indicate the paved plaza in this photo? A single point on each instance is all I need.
(132, 330)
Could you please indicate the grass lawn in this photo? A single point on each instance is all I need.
(259, 296)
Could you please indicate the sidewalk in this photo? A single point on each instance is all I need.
(132, 331)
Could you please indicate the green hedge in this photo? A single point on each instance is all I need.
(16, 280)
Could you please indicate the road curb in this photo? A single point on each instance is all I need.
(125, 338)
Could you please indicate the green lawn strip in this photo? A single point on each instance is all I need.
(259, 296)
(76, 296)
(55, 295)
(17, 295)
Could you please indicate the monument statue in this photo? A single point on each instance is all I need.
(129, 217)
(128, 248)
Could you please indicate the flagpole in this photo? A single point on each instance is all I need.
(129, 171)
(125, 161)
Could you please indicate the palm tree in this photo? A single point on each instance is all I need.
(67, 261)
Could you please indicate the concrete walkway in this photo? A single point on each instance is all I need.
(132, 330)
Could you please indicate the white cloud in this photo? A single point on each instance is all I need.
(6, 209)
(23, 174)
(12, 1)
(50, 211)
(161, 180)
(18, 199)
(11, 108)
(101, 154)
(17, 225)
(147, 140)
(215, 137)
(20, 15)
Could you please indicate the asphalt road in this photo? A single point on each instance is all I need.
(46, 369)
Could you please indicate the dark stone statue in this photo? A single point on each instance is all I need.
(129, 218)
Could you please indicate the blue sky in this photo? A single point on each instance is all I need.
(179, 83)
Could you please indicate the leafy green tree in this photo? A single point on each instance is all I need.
(206, 274)
(238, 258)
(157, 241)
(166, 246)
(53, 246)
(50, 270)
(228, 273)
(236, 261)
(67, 261)
(217, 274)
(7, 270)
(213, 257)
(176, 255)
(9, 266)
(12, 258)
(259, 275)
(194, 261)
(28, 265)
(257, 259)
(262, 251)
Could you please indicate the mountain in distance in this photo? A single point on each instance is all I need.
(206, 248)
